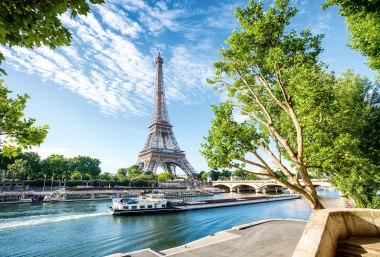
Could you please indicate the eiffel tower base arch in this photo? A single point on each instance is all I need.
(151, 160)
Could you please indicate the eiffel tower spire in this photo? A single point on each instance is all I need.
(160, 112)
(161, 148)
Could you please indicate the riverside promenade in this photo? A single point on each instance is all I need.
(276, 238)
(273, 237)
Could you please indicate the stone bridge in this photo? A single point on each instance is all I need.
(260, 186)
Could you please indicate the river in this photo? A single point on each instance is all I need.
(86, 229)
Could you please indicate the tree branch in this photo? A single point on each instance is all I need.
(232, 165)
(269, 89)
(252, 163)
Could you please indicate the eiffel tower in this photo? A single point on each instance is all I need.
(161, 148)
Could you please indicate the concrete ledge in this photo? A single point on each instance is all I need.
(144, 252)
(251, 224)
(325, 227)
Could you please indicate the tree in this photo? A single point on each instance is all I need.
(33, 161)
(354, 141)
(133, 171)
(105, 176)
(19, 133)
(86, 165)
(122, 171)
(30, 24)
(214, 174)
(35, 23)
(277, 85)
(164, 176)
(363, 22)
(55, 166)
(76, 176)
(225, 174)
(18, 169)
(204, 176)
(5, 161)
(239, 173)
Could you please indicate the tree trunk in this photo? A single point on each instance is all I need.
(313, 201)
(309, 194)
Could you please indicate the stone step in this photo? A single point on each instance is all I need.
(359, 246)
(350, 252)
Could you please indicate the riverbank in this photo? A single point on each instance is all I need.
(274, 237)
(24, 226)
(269, 237)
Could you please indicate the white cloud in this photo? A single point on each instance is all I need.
(118, 20)
(45, 151)
(321, 24)
(156, 18)
(109, 66)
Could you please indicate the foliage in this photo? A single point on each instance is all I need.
(133, 171)
(363, 22)
(239, 173)
(18, 169)
(204, 176)
(33, 161)
(119, 177)
(214, 174)
(122, 171)
(284, 106)
(225, 174)
(105, 176)
(17, 132)
(355, 126)
(5, 161)
(165, 176)
(55, 165)
(76, 176)
(86, 165)
(276, 83)
(35, 23)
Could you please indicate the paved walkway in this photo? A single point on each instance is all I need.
(275, 238)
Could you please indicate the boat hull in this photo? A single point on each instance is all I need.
(144, 211)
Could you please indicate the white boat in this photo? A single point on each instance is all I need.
(144, 204)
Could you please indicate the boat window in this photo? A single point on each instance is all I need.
(134, 207)
(142, 206)
(150, 206)
(164, 205)
(125, 207)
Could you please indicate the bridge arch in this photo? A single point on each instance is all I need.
(244, 188)
(224, 187)
(271, 187)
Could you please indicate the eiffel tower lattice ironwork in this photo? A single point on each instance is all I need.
(161, 148)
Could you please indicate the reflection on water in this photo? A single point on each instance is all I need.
(83, 229)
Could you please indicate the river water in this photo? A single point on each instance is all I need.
(86, 229)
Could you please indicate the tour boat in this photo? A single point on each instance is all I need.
(144, 204)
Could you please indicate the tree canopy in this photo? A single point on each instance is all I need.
(37, 22)
(164, 176)
(18, 169)
(363, 22)
(17, 132)
(86, 165)
(286, 114)
(30, 24)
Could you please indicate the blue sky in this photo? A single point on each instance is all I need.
(97, 94)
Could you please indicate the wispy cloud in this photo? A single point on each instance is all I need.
(45, 151)
(109, 63)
